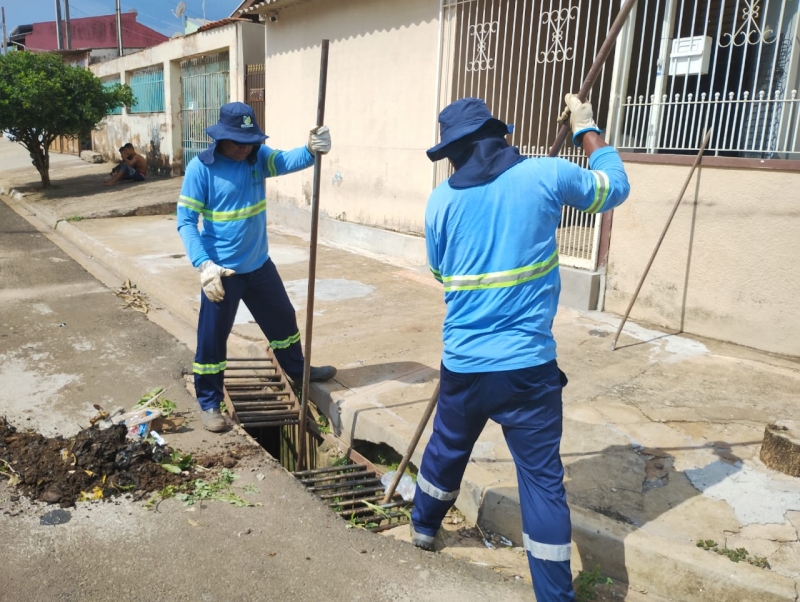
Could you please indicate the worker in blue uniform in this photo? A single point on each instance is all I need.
(225, 185)
(491, 238)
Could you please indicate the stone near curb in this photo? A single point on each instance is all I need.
(92, 157)
(781, 448)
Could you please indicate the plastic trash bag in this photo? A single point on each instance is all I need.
(406, 487)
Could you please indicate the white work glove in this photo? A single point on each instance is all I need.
(211, 279)
(581, 117)
(319, 140)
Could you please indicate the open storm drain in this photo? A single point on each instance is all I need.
(355, 492)
(261, 399)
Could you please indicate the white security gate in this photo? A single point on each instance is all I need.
(522, 57)
(205, 86)
(729, 66)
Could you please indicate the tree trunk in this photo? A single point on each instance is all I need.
(41, 161)
(781, 448)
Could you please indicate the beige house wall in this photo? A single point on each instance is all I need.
(158, 135)
(728, 266)
(382, 78)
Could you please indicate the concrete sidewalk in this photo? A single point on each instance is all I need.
(661, 437)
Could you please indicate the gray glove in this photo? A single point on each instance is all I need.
(581, 117)
(211, 280)
(319, 140)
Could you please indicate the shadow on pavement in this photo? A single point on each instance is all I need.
(619, 482)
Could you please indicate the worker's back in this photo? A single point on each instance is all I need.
(494, 249)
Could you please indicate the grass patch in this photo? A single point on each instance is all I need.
(587, 581)
(198, 491)
(323, 425)
(733, 554)
(75, 218)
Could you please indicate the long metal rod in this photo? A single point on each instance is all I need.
(412, 445)
(312, 259)
(596, 69)
(661, 238)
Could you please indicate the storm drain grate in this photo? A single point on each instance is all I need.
(354, 492)
(259, 396)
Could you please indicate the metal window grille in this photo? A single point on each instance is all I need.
(521, 57)
(256, 84)
(109, 83)
(731, 66)
(148, 89)
(205, 84)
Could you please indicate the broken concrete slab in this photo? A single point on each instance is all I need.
(91, 157)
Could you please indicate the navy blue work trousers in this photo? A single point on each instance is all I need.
(527, 404)
(265, 296)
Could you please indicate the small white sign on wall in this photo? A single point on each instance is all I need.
(690, 56)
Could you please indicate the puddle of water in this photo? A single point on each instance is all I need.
(334, 289)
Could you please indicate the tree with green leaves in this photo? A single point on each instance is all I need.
(41, 99)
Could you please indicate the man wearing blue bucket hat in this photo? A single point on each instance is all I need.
(225, 184)
(491, 239)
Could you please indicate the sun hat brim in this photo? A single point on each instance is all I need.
(220, 131)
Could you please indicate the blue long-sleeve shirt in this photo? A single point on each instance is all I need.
(231, 197)
(493, 247)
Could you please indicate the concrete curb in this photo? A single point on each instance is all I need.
(665, 568)
(670, 569)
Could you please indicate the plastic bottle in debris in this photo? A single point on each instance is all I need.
(406, 487)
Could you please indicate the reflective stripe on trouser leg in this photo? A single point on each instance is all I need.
(446, 455)
(213, 327)
(532, 428)
(274, 313)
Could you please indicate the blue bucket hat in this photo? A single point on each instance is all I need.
(237, 122)
(462, 118)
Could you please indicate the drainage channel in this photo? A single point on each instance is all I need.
(259, 397)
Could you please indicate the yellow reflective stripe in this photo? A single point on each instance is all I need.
(436, 274)
(601, 190)
(271, 164)
(190, 203)
(209, 368)
(237, 214)
(501, 279)
(286, 342)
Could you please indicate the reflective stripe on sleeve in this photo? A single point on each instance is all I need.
(436, 274)
(273, 171)
(547, 551)
(433, 491)
(601, 190)
(190, 203)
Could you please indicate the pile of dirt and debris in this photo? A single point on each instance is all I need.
(95, 464)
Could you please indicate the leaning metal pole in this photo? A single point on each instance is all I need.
(595, 70)
(661, 238)
(312, 262)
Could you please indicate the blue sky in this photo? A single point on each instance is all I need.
(156, 14)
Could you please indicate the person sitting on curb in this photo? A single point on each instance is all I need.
(490, 231)
(225, 184)
(133, 167)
